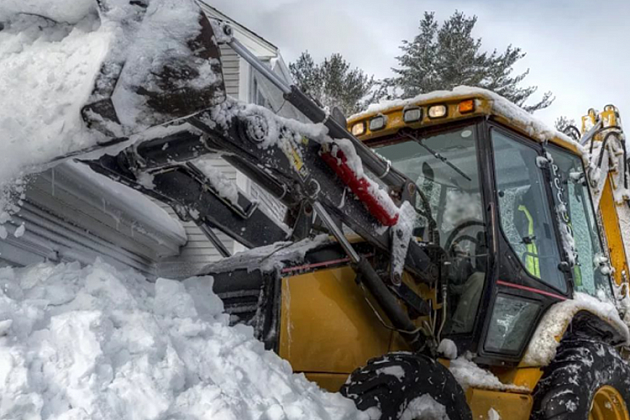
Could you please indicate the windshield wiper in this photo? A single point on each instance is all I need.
(437, 155)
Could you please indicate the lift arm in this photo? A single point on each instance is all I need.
(316, 170)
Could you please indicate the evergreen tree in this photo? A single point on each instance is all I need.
(445, 56)
(563, 122)
(334, 83)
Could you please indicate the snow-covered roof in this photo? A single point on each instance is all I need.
(498, 106)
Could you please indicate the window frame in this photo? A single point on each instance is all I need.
(506, 264)
(532, 144)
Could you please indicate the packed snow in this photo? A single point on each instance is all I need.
(468, 375)
(544, 344)
(97, 343)
(447, 348)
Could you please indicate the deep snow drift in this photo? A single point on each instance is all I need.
(47, 73)
(97, 343)
(51, 52)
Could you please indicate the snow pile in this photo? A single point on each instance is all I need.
(46, 71)
(97, 343)
(51, 52)
(543, 345)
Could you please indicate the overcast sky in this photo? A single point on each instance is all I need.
(577, 49)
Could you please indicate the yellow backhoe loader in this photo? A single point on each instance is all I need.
(446, 251)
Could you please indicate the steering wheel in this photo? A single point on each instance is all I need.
(454, 238)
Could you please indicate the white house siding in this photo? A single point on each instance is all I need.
(198, 251)
(71, 215)
(231, 63)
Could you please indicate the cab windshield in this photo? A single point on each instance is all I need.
(445, 168)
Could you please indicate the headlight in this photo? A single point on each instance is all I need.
(358, 129)
(437, 111)
(378, 123)
(412, 114)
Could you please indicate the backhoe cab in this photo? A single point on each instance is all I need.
(512, 212)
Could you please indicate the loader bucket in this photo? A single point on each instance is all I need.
(163, 64)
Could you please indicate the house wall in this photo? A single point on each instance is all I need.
(73, 214)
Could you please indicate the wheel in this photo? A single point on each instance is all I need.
(587, 380)
(404, 386)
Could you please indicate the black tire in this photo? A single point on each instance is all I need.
(375, 386)
(570, 382)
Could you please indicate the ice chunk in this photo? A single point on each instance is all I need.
(424, 407)
(448, 348)
(19, 232)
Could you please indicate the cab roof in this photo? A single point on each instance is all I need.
(480, 102)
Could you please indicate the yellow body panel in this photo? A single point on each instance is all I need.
(526, 377)
(508, 405)
(326, 324)
(614, 238)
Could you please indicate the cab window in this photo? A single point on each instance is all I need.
(589, 275)
(525, 211)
